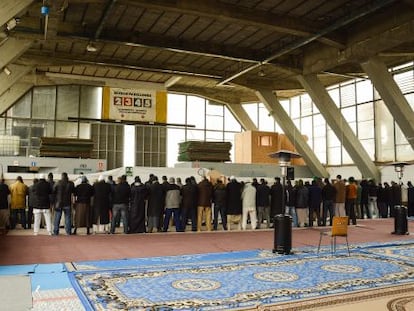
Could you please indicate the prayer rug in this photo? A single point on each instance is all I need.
(238, 280)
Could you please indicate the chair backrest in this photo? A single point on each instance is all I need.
(340, 226)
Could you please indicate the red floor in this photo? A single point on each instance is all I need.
(21, 247)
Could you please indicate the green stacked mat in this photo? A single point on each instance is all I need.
(65, 147)
(204, 151)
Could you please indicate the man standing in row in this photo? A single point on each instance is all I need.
(62, 193)
(121, 195)
(18, 193)
(42, 190)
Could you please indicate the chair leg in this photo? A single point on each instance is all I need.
(320, 240)
(347, 245)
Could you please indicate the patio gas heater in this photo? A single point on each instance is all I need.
(283, 223)
(400, 211)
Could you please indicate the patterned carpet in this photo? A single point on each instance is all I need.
(243, 280)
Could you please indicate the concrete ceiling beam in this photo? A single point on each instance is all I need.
(12, 49)
(383, 35)
(8, 80)
(12, 95)
(10, 8)
(242, 117)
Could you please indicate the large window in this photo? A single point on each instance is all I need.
(207, 121)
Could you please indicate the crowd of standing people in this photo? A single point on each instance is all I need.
(154, 205)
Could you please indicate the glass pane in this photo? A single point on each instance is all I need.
(85, 131)
(321, 157)
(346, 159)
(410, 100)
(91, 102)
(334, 93)
(67, 129)
(252, 112)
(384, 132)
(214, 136)
(320, 145)
(319, 123)
(332, 140)
(21, 108)
(369, 146)
(230, 122)
(286, 105)
(214, 109)
(366, 129)
(44, 100)
(399, 136)
(43, 128)
(266, 122)
(349, 114)
(175, 136)
(365, 92)
(214, 122)
(306, 103)
(365, 112)
(195, 135)
(404, 153)
(67, 102)
(334, 156)
(295, 107)
(405, 81)
(176, 109)
(348, 95)
(306, 126)
(196, 111)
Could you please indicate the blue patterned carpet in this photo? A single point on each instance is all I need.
(238, 280)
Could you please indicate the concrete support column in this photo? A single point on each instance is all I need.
(13, 94)
(276, 110)
(241, 116)
(340, 127)
(393, 98)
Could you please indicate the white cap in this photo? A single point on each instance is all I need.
(232, 177)
(41, 176)
(101, 177)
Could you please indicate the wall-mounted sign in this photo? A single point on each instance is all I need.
(134, 105)
(129, 171)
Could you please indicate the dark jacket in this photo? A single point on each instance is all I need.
(189, 193)
(63, 191)
(328, 192)
(43, 190)
(101, 202)
(121, 194)
(234, 202)
(263, 195)
(219, 195)
(205, 191)
(4, 192)
(276, 199)
(84, 193)
(155, 200)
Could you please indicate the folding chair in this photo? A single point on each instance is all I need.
(339, 229)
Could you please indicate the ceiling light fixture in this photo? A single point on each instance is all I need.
(91, 47)
(11, 24)
(7, 71)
